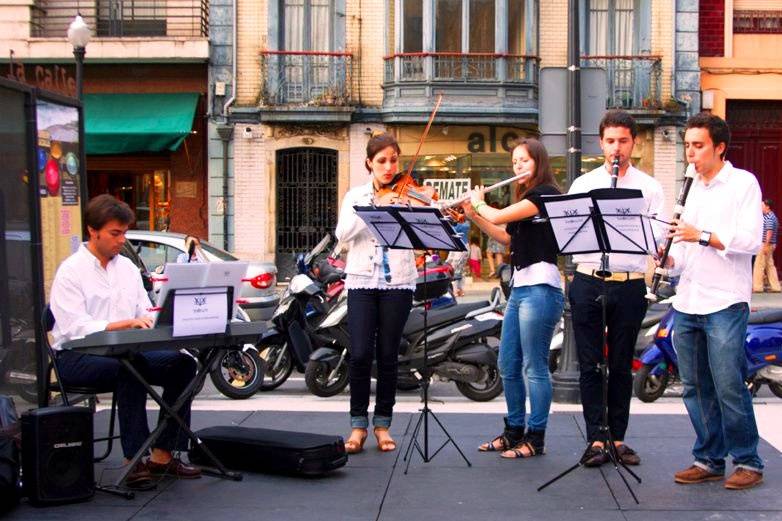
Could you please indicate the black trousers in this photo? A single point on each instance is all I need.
(376, 319)
(626, 307)
(171, 370)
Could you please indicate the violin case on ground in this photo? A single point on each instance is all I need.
(271, 451)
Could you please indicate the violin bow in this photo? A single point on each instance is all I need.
(423, 136)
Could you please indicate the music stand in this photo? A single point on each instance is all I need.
(603, 220)
(416, 228)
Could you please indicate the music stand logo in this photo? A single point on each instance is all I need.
(571, 213)
(199, 301)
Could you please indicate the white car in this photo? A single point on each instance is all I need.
(259, 296)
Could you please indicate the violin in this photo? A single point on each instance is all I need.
(405, 190)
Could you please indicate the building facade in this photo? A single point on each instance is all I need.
(145, 103)
(307, 81)
(740, 45)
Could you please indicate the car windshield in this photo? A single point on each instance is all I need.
(217, 252)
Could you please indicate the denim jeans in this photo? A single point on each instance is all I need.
(376, 318)
(713, 368)
(531, 315)
(171, 370)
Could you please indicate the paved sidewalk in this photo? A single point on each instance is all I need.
(373, 486)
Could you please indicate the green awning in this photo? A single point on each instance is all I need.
(126, 123)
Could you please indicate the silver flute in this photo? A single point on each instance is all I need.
(463, 199)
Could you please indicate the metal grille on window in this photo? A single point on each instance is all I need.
(306, 202)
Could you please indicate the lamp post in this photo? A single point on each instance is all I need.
(565, 381)
(79, 36)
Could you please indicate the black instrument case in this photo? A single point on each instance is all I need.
(266, 450)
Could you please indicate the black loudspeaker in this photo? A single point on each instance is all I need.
(57, 455)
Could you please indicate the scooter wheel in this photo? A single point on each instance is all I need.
(649, 387)
(238, 375)
(316, 376)
(484, 391)
(776, 388)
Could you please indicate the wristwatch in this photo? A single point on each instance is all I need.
(705, 238)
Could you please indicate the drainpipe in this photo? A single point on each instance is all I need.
(226, 133)
(230, 101)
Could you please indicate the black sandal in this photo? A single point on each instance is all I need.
(509, 438)
(534, 444)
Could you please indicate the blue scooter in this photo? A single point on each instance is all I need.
(657, 367)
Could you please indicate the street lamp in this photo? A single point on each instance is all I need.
(79, 36)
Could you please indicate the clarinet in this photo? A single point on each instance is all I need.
(614, 172)
(678, 209)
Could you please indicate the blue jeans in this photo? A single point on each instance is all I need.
(713, 368)
(531, 315)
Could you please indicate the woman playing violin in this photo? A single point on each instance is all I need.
(380, 284)
(535, 304)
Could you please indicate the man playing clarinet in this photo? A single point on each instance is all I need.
(714, 240)
(626, 303)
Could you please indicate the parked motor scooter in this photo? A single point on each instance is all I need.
(458, 349)
(658, 366)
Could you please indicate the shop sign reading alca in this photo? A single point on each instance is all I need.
(449, 189)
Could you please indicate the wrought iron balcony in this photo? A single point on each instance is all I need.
(306, 78)
(634, 82)
(757, 22)
(461, 68)
(123, 18)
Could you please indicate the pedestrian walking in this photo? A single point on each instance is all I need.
(764, 268)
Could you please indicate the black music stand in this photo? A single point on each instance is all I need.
(416, 228)
(166, 319)
(604, 220)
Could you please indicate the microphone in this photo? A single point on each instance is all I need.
(614, 171)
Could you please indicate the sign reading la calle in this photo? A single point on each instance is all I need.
(48, 77)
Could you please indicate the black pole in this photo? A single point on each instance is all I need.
(565, 379)
(78, 53)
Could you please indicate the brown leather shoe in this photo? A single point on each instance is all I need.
(176, 467)
(140, 478)
(743, 478)
(695, 474)
(627, 455)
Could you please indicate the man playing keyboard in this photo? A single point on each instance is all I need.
(97, 289)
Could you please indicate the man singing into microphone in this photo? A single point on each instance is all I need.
(714, 241)
(626, 303)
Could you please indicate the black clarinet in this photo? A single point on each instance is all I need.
(689, 177)
(614, 172)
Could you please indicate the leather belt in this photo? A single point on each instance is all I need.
(616, 276)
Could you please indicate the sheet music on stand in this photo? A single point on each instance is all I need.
(410, 228)
(602, 220)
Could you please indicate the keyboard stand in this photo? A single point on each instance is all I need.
(219, 469)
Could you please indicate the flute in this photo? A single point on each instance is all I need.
(678, 209)
(465, 198)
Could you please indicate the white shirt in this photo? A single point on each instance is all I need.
(655, 205)
(712, 279)
(85, 298)
(538, 273)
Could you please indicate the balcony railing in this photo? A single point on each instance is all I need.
(306, 78)
(634, 82)
(757, 22)
(123, 18)
(461, 67)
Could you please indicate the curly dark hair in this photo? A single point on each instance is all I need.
(618, 118)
